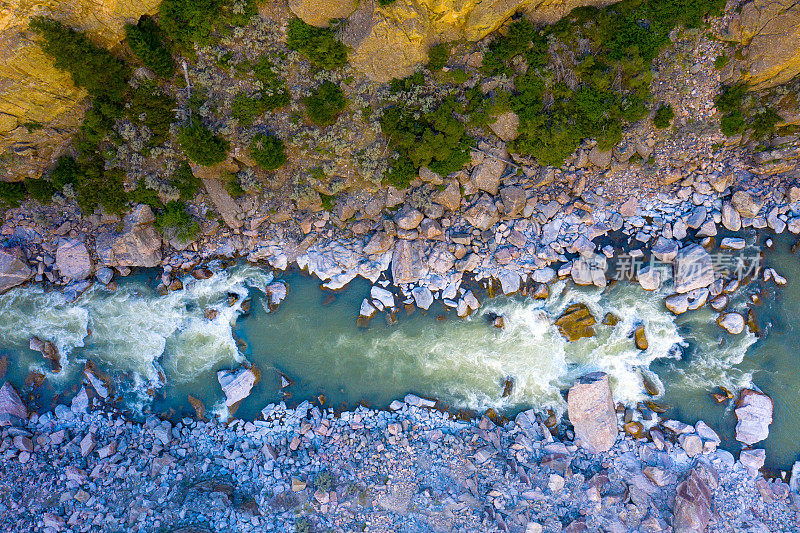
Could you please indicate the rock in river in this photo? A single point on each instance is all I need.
(731, 322)
(576, 322)
(237, 385)
(693, 269)
(73, 259)
(754, 415)
(590, 409)
(14, 269)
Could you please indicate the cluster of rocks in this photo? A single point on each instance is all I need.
(410, 468)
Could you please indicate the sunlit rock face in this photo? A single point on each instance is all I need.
(33, 92)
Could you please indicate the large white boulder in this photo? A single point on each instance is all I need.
(754, 415)
(590, 408)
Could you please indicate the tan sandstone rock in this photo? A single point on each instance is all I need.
(590, 408)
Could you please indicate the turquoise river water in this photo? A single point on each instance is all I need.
(160, 349)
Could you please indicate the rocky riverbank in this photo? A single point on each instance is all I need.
(411, 468)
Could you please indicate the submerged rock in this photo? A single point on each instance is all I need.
(754, 415)
(576, 322)
(14, 268)
(12, 410)
(590, 409)
(237, 385)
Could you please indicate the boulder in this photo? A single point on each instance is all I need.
(692, 509)
(753, 460)
(693, 269)
(514, 199)
(483, 214)
(640, 338)
(14, 268)
(754, 415)
(649, 278)
(12, 410)
(590, 408)
(733, 323)
(665, 250)
(590, 270)
(379, 243)
(236, 385)
(769, 31)
(138, 244)
(677, 303)
(505, 126)
(599, 158)
(408, 218)
(450, 197)
(486, 175)
(744, 204)
(73, 259)
(408, 265)
(509, 281)
(422, 297)
(731, 218)
(320, 12)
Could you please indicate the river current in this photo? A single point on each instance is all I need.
(160, 349)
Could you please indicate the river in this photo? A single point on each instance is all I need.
(160, 349)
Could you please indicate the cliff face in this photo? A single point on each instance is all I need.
(769, 31)
(388, 42)
(39, 105)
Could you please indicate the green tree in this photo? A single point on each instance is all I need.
(319, 45)
(189, 21)
(146, 40)
(91, 67)
(663, 117)
(185, 181)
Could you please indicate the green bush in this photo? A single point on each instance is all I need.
(435, 140)
(721, 61)
(64, 172)
(96, 186)
(730, 103)
(146, 40)
(267, 151)
(144, 195)
(40, 189)
(319, 45)
(325, 103)
(185, 181)
(174, 221)
(438, 56)
(246, 108)
(91, 67)
(189, 21)
(386, 2)
(663, 117)
(764, 122)
(154, 109)
(398, 85)
(12, 194)
(201, 145)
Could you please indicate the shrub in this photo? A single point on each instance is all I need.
(386, 2)
(153, 109)
(96, 186)
(324, 481)
(764, 122)
(325, 103)
(663, 117)
(398, 85)
(144, 195)
(185, 181)
(12, 194)
(319, 45)
(730, 103)
(40, 189)
(438, 56)
(246, 108)
(189, 21)
(64, 172)
(721, 61)
(91, 67)
(146, 40)
(201, 145)
(174, 221)
(435, 140)
(267, 151)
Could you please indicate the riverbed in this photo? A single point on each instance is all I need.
(161, 349)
